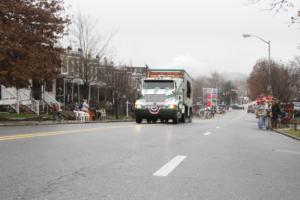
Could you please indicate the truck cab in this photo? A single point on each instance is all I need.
(165, 95)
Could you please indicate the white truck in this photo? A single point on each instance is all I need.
(166, 94)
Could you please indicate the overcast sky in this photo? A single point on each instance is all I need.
(198, 35)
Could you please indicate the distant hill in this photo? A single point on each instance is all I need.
(235, 76)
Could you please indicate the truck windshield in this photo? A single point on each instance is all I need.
(161, 84)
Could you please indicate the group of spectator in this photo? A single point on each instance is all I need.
(93, 112)
(82, 108)
(210, 112)
(271, 114)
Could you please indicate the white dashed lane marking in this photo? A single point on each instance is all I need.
(170, 166)
(207, 133)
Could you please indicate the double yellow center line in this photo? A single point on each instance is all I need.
(55, 133)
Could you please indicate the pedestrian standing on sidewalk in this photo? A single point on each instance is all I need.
(213, 111)
(275, 113)
(206, 112)
(268, 117)
(55, 112)
(261, 116)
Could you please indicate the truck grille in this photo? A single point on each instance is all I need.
(155, 98)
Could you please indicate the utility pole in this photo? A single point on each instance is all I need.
(127, 103)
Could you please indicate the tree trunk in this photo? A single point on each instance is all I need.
(85, 91)
(116, 110)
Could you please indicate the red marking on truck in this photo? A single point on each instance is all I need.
(154, 74)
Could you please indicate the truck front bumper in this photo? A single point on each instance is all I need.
(144, 113)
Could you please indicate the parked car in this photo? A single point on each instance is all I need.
(237, 107)
(250, 109)
(296, 109)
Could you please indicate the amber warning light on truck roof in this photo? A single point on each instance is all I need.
(157, 74)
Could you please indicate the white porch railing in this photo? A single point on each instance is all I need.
(14, 98)
(49, 99)
(8, 97)
(26, 100)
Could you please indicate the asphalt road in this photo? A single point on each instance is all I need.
(224, 158)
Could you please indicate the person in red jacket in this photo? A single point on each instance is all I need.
(56, 112)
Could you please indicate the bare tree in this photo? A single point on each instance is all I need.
(294, 71)
(91, 46)
(198, 85)
(117, 80)
(279, 5)
(276, 4)
(215, 80)
(283, 79)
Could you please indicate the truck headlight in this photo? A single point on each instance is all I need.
(173, 106)
(138, 106)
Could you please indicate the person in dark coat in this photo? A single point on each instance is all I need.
(275, 113)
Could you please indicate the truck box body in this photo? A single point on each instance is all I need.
(165, 95)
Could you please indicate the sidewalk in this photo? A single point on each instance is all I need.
(285, 131)
(36, 123)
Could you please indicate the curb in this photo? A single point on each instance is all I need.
(65, 122)
(288, 135)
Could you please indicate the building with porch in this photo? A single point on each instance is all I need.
(76, 81)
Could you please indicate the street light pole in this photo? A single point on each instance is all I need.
(269, 57)
(127, 104)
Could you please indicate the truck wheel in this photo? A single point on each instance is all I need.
(175, 120)
(182, 119)
(164, 121)
(138, 120)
